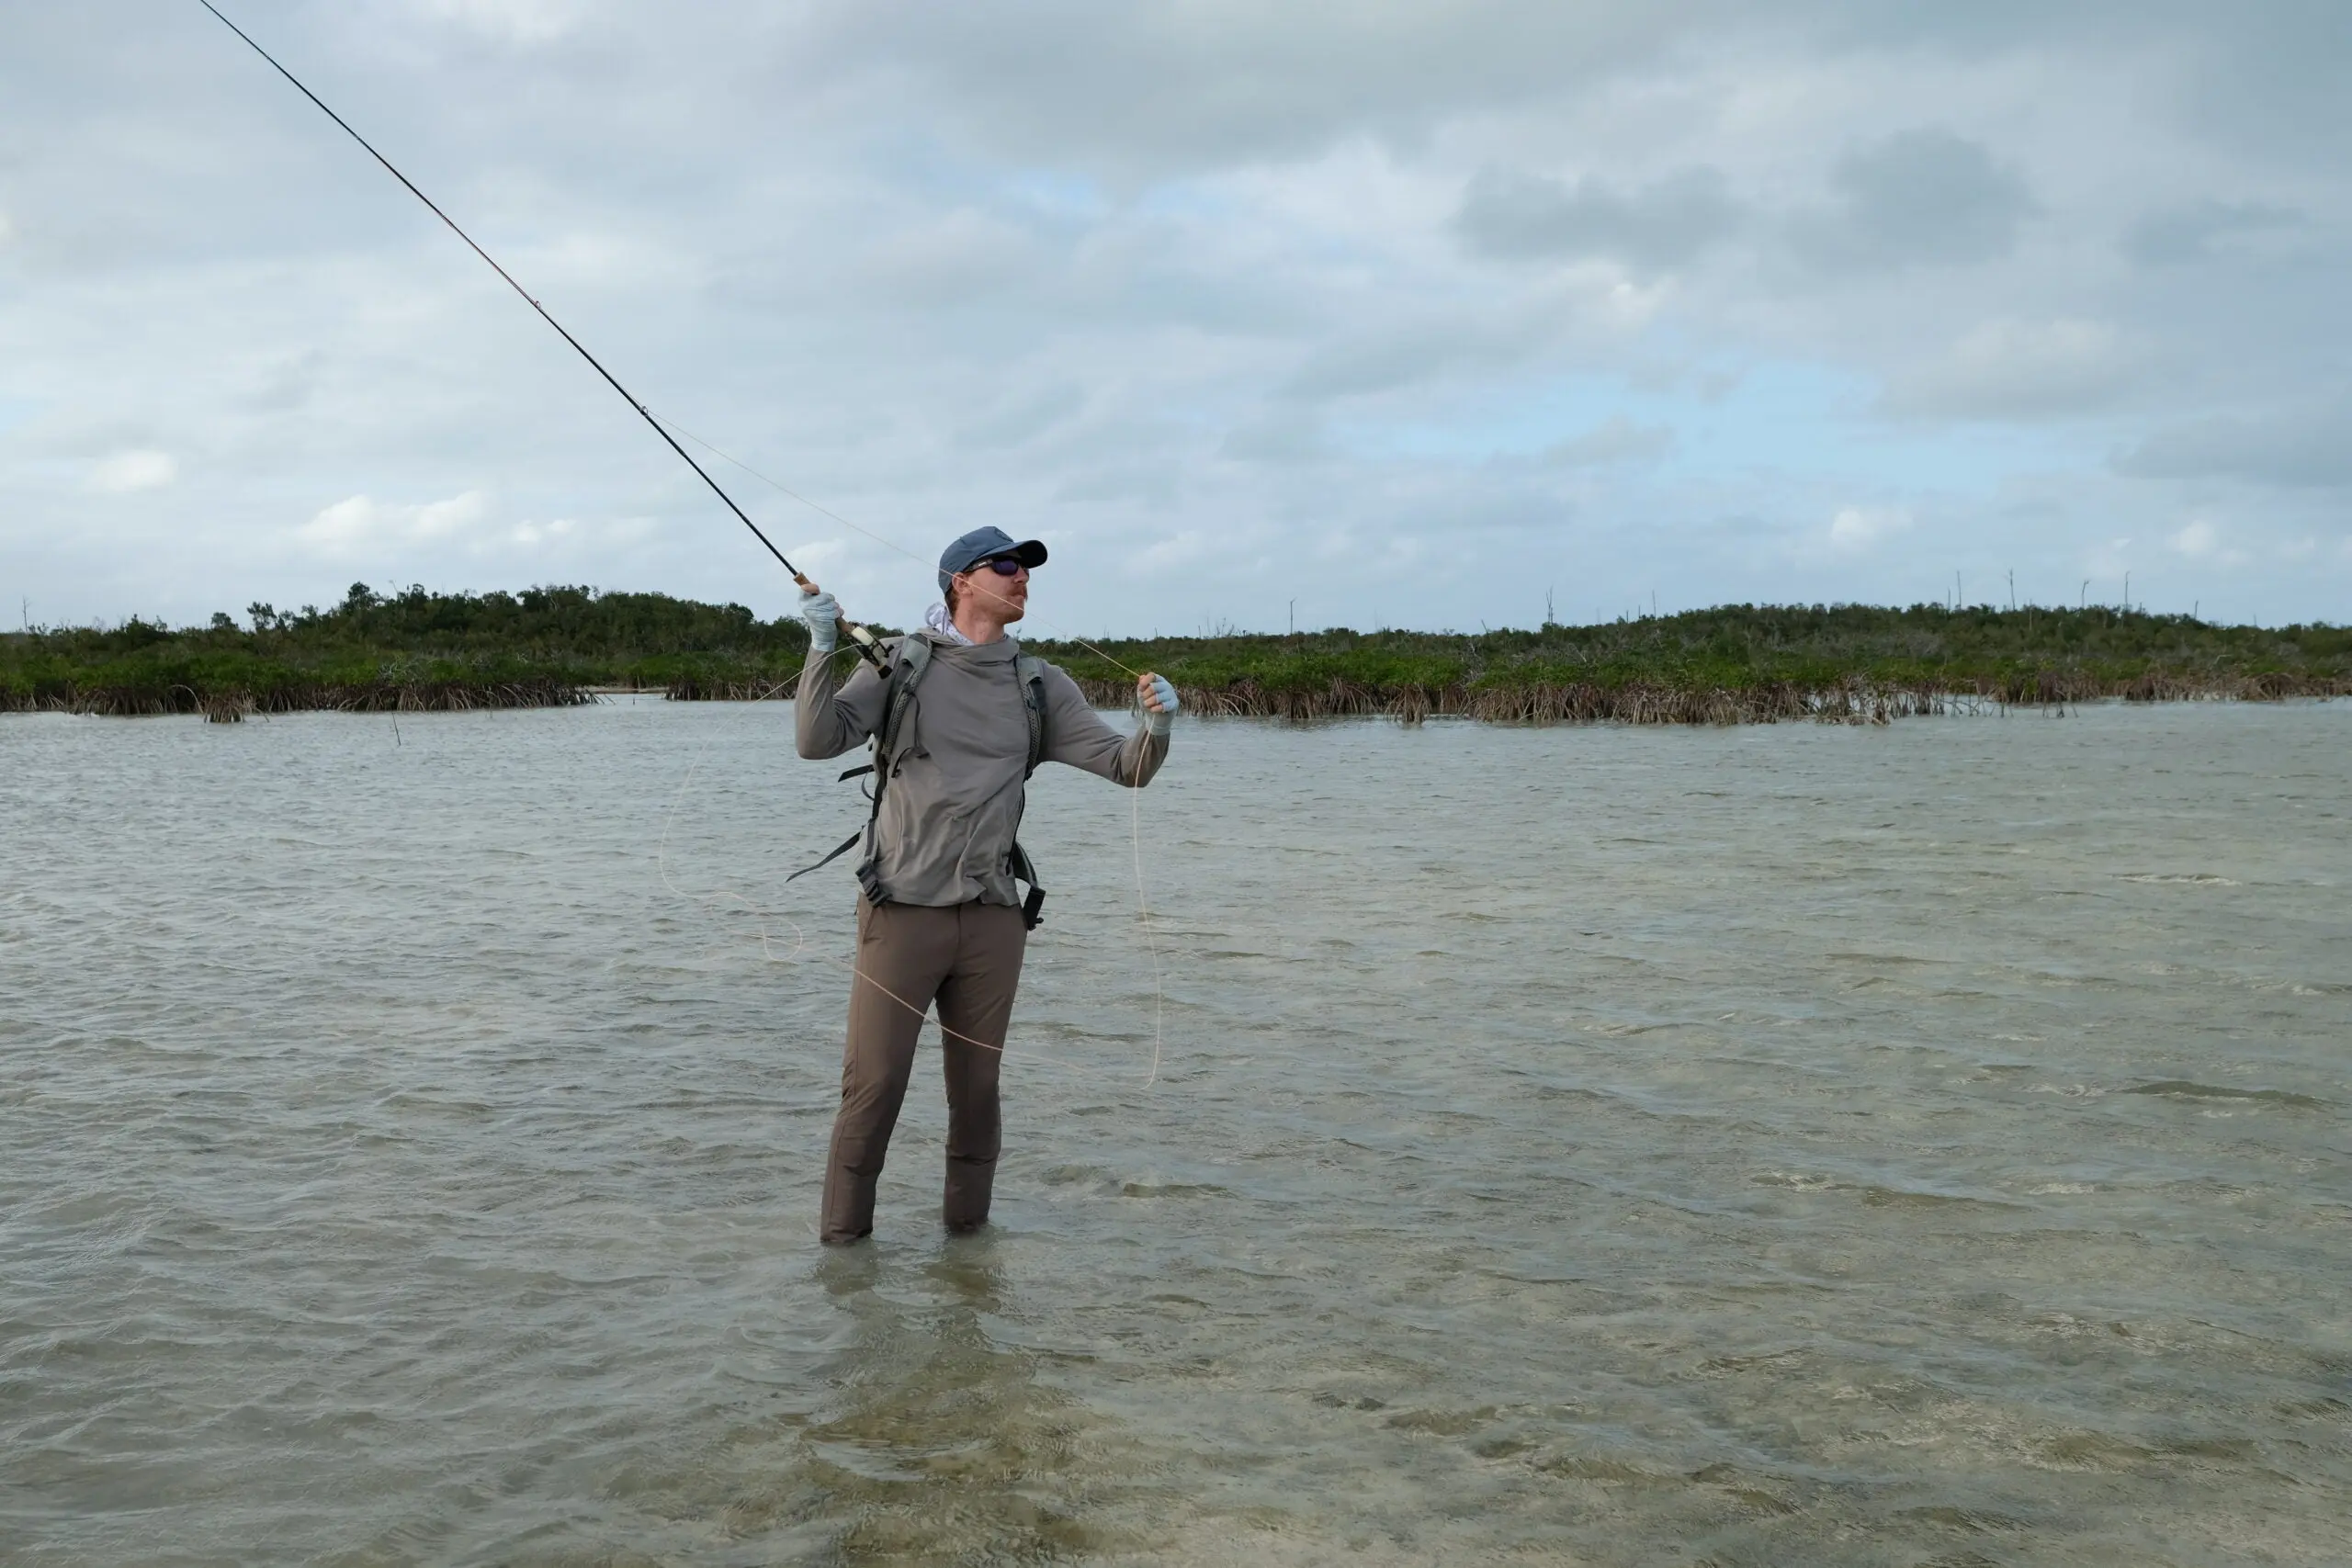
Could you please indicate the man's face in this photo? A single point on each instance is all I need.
(1004, 596)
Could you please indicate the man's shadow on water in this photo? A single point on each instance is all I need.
(940, 1441)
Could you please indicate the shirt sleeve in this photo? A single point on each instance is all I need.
(1076, 734)
(827, 718)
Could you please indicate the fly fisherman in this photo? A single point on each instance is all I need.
(940, 919)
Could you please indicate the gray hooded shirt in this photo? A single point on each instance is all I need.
(945, 832)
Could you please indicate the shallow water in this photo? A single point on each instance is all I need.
(1774, 1145)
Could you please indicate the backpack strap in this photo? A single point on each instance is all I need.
(910, 659)
(1032, 673)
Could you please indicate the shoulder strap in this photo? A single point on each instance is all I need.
(913, 656)
(1032, 672)
(908, 660)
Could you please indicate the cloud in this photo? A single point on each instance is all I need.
(2300, 447)
(1858, 528)
(1160, 85)
(127, 471)
(2109, 558)
(1283, 435)
(1920, 196)
(360, 522)
(1268, 276)
(1188, 548)
(2200, 540)
(1391, 357)
(953, 258)
(2202, 229)
(1022, 419)
(2011, 370)
(509, 22)
(1519, 217)
(1615, 440)
(527, 533)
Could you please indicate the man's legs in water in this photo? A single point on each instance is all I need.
(975, 1010)
(904, 952)
(968, 957)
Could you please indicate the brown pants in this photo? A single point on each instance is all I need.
(967, 958)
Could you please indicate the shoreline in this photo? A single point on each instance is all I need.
(421, 652)
(1852, 701)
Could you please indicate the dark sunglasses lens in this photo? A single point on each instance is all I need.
(1005, 566)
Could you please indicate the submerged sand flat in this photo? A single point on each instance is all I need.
(1794, 1143)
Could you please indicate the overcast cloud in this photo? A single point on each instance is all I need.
(1408, 312)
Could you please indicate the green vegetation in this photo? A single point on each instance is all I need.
(549, 646)
(415, 650)
(1739, 662)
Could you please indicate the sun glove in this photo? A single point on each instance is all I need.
(823, 613)
(1165, 690)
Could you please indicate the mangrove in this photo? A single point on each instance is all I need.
(416, 650)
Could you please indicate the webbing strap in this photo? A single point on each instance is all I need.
(1016, 863)
(1031, 672)
(840, 849)
(912, 656)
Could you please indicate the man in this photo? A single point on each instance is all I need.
(941, 920)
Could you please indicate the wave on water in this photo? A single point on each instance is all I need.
(2183, 1088)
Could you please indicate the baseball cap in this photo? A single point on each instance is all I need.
(985, 544)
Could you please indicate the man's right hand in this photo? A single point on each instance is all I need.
(823, 613)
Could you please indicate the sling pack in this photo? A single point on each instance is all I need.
(912, 659)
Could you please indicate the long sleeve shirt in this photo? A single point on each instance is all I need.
(952, 804)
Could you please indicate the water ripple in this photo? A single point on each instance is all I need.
(1599, 1146)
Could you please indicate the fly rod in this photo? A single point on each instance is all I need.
(864, 640)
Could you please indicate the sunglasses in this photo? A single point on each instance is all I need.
(1003, 566)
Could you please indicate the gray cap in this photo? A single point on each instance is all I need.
(986, 544)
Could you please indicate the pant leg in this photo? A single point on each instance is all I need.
(975, 1010)
(904, 951)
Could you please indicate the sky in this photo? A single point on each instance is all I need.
(1385, 313)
